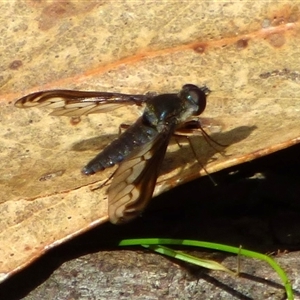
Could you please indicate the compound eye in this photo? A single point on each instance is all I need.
(197, 96)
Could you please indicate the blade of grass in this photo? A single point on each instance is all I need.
(205, 263)
(215, 246)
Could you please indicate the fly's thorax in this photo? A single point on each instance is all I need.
(163, 109)
(174, 109)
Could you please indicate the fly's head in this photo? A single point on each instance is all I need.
(193, 101)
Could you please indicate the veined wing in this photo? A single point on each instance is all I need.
(78, 103)
(134, 181)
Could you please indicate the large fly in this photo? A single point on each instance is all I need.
(140, 149)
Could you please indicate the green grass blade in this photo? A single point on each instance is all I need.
(205, 263)
(157, 241)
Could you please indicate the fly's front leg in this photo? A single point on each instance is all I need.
(196, 127)
(189, 128)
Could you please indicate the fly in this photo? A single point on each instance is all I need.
(140, 149)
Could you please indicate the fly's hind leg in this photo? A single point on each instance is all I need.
(101, 185)
(194, 128)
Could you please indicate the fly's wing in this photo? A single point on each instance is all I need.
(77, 103)
(134, 181)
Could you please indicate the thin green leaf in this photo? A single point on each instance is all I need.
(205, 263)
(215, 246)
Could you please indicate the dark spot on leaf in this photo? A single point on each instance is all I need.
(75, 120)
(15, 65)
(265, 75)
(276, 39)
(74, 273)
(284, 73)
(200, 48)
(51, 175)
(242, 44)
(27, 248)
(57, 10)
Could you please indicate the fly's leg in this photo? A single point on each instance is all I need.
(101, 185)
(187, 130)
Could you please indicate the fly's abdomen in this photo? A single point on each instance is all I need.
(134, 137)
